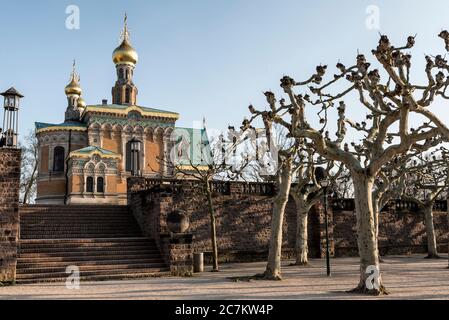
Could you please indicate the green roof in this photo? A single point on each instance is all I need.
(94, 148)
(124, 107)
(41, 125)
(199, 148)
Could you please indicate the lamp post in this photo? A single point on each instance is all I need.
(11, 117)
(321, 177)
(135, 156)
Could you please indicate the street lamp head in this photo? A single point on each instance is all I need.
(135, 144)
(12, 99)
(9, 138)
(321, 177)
(325, 183)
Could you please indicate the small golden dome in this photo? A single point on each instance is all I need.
(125, 54)
(81, 103)
(74, 86)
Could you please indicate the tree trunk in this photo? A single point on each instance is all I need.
(30, 183)
(273, 270)
(376, 210)
(447, 216)
(430, 233)
(213, 229)
(370, 277)
(301, 246)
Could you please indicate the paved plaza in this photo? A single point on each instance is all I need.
(407, 277)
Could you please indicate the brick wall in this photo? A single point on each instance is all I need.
(400, 232)
(9, 212)
(244, 221)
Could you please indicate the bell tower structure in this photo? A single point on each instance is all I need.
(125, 59)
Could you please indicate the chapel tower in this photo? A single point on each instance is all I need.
(75, 103)
(125, 59)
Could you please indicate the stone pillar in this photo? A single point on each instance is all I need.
(166, 155)
(9, 212)
(124, 140)
(178, 252)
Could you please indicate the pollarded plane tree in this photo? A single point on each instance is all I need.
(307, 192)
(427, 181)
(391, 182)
(209, 164)
(283, 154)
(389, 99)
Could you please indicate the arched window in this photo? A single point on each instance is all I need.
(58, 159)
(90, 184)
(100, 184)
(128, 95)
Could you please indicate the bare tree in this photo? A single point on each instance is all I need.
(427, 180)
(384, 134)
(307, 192)
(285, 155)
(343, 187)
(211, 166)
(28, 170)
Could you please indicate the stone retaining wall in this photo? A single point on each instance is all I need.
(9, 212)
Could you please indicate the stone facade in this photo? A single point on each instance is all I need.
(9, 212)
(244, 219)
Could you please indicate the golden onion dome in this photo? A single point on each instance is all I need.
(81, 103)
(125, 54)
(74, 86)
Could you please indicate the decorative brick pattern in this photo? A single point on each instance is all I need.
(9, 212)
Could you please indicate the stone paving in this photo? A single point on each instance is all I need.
(406, 277)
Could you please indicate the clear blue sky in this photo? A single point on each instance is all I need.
(197, 57)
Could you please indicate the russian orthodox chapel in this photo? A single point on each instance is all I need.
(88, 158)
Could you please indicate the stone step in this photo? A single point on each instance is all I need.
(87, 247)
(99, 248)
(118, 276)
(79, 243)
(75, 212)
(80, 235)
(105, 242)
(89, 268)
(92, 240)
(76, 216)
(45, 207)
(80, 220)
(97, 272)
(79, 262)
(93, 258)
(61, 218)
(80, 227)
(77, 253)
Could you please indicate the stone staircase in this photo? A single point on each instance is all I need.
(104, 242)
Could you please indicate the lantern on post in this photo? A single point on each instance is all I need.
(135, 156)
(10, 118)
(323, 180)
